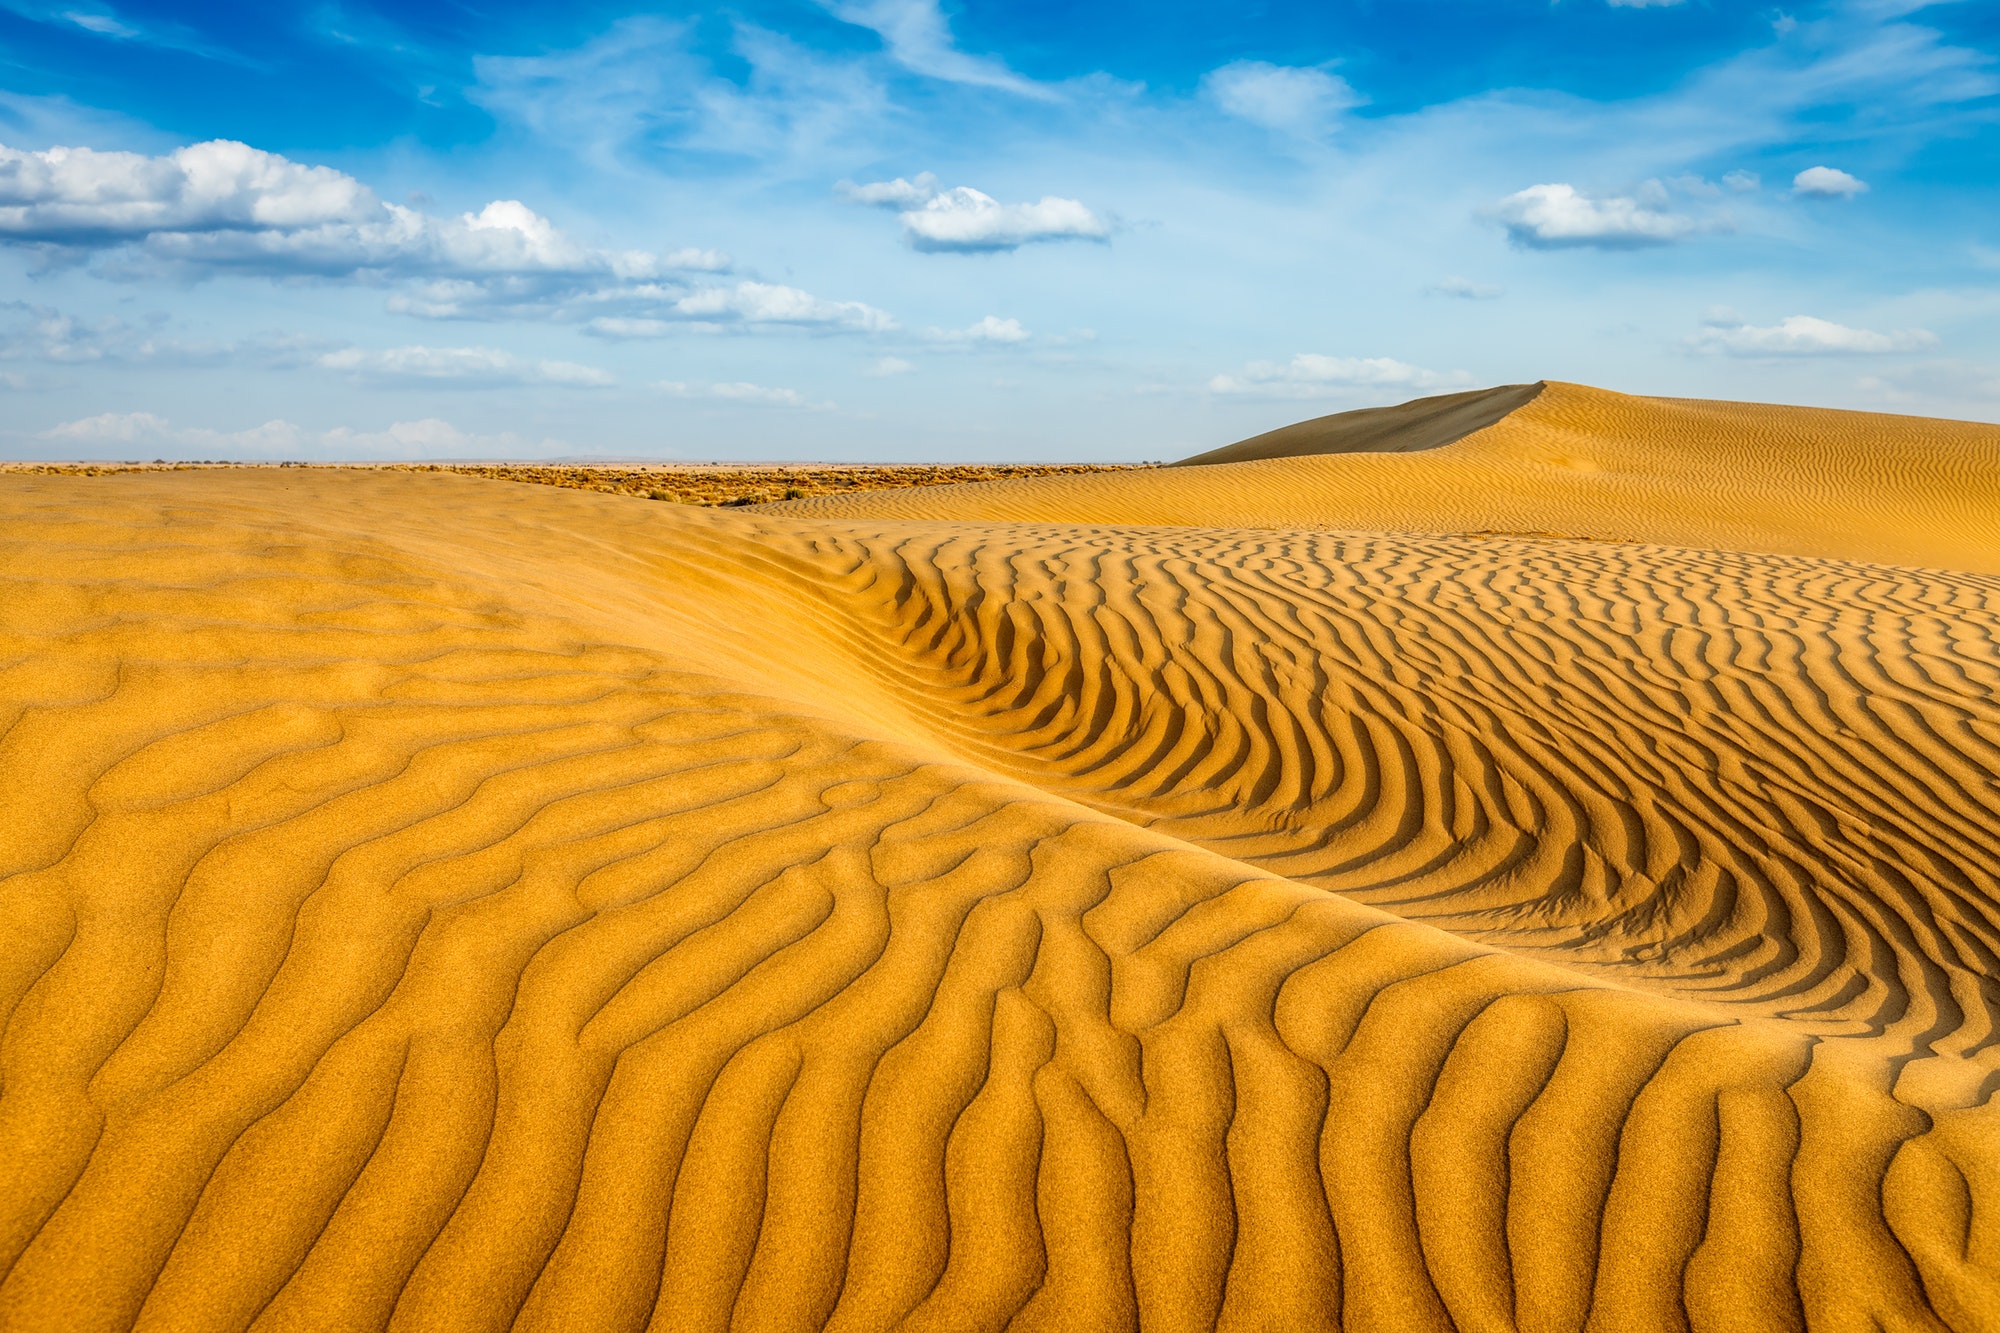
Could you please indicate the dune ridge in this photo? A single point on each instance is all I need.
(1423, 423)
(437, 903)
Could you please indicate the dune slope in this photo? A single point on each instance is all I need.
(1571, 461)
(440, 904)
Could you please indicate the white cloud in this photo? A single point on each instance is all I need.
(741, 391)
(771, 303)
(225, 206)
(1465, 289)
(897, 194)
(470, 366)
(963, 219)
(1310, 375)
(918, 37)
(1302, 100)
(654, 311)
(1641, 4)
(888, 366)
(1803, 335)
(1742, 182)
(128, 432)
(79, 195)
(1548, 217)
(1827, 183)
(991, 329)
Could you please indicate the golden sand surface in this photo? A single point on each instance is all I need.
(439, 904)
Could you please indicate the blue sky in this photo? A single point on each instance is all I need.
(891, 229)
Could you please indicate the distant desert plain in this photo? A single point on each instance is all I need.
(1522, 860)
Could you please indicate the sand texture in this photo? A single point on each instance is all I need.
(437, 903)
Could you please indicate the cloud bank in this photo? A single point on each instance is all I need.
(226, 207)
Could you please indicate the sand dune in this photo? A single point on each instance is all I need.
(1570, 461)
(437, 903)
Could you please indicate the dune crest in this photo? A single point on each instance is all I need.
(1423, 423)
(443, 904)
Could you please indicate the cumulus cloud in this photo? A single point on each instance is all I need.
(1742, 182)
(1465, 289)
(991, 329)
(1303, 100)
(1550, 217)
(964, 220)
(741, 391)
(1310, 375)
(1803, 335)
(468, 366)
(225, 206)
(81, 196)
(126, 433)
(1827, 183)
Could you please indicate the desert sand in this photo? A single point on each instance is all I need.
(1530, 862)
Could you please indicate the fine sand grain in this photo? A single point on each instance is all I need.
(437, 903)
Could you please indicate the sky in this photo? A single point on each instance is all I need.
(970, 230)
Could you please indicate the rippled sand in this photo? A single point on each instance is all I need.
(1151, 899)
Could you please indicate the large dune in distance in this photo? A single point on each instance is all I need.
(1520, 882)
(1565, 461)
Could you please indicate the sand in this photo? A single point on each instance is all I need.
(442, 903)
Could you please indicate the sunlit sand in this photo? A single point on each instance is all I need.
(1528, 861)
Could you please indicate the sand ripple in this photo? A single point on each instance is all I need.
(435, 904)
